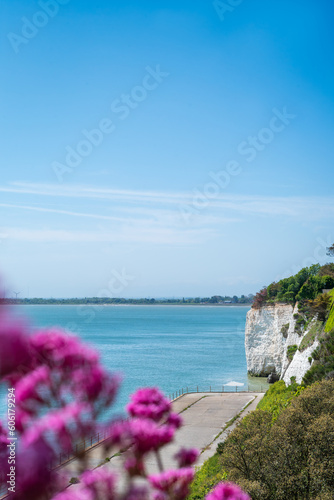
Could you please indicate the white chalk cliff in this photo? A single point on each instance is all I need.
(269, 331)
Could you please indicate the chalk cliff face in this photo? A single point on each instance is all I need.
(299, 365)
(269, 332)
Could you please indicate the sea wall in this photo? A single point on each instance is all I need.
(270, 330)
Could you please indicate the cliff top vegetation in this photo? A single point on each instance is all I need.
(303, 287)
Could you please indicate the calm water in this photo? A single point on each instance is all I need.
(167, 346)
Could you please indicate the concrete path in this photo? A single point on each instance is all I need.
(205, 417)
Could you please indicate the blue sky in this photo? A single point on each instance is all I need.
(164, 148)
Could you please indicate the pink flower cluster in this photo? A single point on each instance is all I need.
(61, 389)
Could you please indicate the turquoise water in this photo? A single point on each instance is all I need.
(172, 347)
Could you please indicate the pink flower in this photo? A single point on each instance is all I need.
(78, 494)
(149, 403)
(95, 383)
(227, 491)
(14, 345)
(57, 348)
(27, 387)
(63, 426)
(159, 495)
(173, 482)
(33, 474)
(134, 466)
(148, 436)
(119, 434)
(3, 438)
(100, 482)
(175, 420)
(186, 457)
(137, 493)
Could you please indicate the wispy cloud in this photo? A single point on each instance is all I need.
(62, 212)
(149, 203)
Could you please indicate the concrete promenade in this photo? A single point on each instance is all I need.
(205, 416)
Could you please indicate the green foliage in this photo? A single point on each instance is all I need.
(327, 270)
(300, 323)
(206, 478)
(311, 335)
(74, 480)
(305, 285)
(285, 329)
(290, 352)
(313, 286)
(330, 322)
(279, 397)
(323, 365)
(291, 457)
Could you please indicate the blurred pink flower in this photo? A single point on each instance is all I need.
(100, 482)
(134, 466)
(175, 420)
(149, 403)
(173, 482)
(137, 493)
(33, 474)
(27, 386)
(14, 345)
(62, 350)
(3, 438)
(227, 491)
(148, 436)
(159, 495)
(62, 427)
(78, 494)
(119, 434)
(96, 383)
(186, 458)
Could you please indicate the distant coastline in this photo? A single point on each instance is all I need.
(216, 300)
(132, 305)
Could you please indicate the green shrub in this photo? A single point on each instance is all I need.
(278, 397)
(210, 474)
(323, 357)
(74, 480)
(291, 351)
(311, 335)
(285, 329)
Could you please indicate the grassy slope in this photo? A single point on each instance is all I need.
(330, 322)
(206, 478)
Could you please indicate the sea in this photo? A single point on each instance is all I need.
(175, 348)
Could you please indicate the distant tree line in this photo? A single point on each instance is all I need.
(216, 299)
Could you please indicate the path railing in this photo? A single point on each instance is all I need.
(215, 389)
